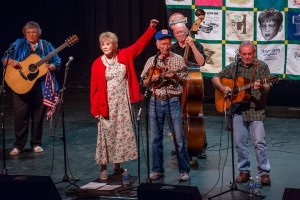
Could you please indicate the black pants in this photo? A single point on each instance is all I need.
(29, 110)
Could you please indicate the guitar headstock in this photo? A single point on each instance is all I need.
(273, 79)
(72, 40)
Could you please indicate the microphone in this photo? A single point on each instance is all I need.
(157, 54)
(139, 114)
(227, 93)
(142, 81)
(71, 58)
(9, 50)
(237, 58)
(155, 58)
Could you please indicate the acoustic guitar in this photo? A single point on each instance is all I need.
(21, 80)
(223, 102)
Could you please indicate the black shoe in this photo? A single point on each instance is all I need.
(202, 155)
(173, 153)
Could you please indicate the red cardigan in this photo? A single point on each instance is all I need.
(98, 85)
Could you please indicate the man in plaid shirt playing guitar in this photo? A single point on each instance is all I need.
(249, 112)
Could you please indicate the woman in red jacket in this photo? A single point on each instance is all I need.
(114, 86)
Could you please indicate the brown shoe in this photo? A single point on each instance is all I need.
(265, 179)
(243, 177)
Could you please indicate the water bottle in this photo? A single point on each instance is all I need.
(251, 186)
(257, 185)
(125, 178)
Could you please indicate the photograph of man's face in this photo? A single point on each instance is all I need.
(269, 29)
(270, 23)
(297, 2)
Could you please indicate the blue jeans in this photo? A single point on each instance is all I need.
(170, 109)
(257, 133)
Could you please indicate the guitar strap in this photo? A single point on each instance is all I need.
(42, 47)
(255, 63)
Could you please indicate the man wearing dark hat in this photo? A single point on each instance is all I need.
(165, 73)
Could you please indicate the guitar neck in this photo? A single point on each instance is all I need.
(247, 86)
(50, 55)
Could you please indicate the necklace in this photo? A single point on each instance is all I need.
(112, 63)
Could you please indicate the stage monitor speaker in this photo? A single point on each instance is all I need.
(158, 191)
(291, 194)
(17, 187)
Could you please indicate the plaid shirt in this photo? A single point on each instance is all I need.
(174, 63)
(255, 109)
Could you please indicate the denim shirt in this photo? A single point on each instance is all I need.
(21, 50)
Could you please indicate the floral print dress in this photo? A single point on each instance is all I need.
(116, 140)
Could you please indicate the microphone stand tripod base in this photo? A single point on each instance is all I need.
(71, 181)
(4, 172)
(233, 187)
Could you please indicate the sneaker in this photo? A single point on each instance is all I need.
(103, 175)
(265, 179)
(37, 149)
(156, 175)
(243, 177)
(14, 152)
(184, 177)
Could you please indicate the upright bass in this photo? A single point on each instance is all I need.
(192, 100)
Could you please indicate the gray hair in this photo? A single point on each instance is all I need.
(180, 25)
(34, 25)
(247, 43)
(112, 37)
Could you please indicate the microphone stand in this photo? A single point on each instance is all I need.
(138, 128)
(2, 92)
(146, 120)
(233, 186)
(147, 134)
(65, 178)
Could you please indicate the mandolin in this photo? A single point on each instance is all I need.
(162, 79)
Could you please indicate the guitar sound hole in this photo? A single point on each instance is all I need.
(32, 76)
(33, 68)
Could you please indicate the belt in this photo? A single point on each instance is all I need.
(165, 97)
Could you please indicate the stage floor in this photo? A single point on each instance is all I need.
(212, 176)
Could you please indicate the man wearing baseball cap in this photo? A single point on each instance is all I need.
(165, 73)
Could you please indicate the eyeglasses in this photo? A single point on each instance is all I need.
(31, 32)
(179, 32)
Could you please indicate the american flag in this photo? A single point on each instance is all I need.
(50, 96)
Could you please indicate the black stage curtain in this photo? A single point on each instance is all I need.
(87, 18)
